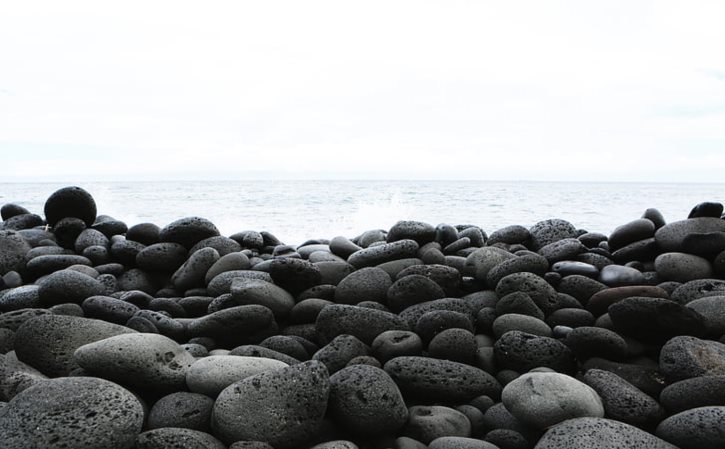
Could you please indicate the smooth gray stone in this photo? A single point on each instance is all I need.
(172, 437)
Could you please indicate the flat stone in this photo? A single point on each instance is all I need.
(599, 303)
(235, 325)
(620, 275)
(387, 252)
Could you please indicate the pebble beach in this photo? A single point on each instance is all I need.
(147, 335)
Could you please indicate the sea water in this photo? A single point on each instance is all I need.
(295, 211)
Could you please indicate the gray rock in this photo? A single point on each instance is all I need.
(24, 297)
(235, 325)
(563, 249)
(631, 232)
(149, 361)
(543, 294)
(90, 237)
(698, 428)
(421, 232)
(338, 353)
(543, 399)
(599, 433)
(361, 322)
(222, 245)
(172, 437)
(294, 275)
(517, 322)
(365, 284)
(458, 345)
(255, 291)
(699, 288)
(108, 309)
(440, 380)
(210, 375)
(188, 231)
(222, 283)
(480, 262)
(509, 235)
(68, 286)
(521, 351)
(77, 412)
(391, 344)
(670, 238)
(549, 231)
(343, 247)
(284, 408)
(684, 357)
(365, 401)
(228, 262)
(426, 423)
(681, 267)
(692, 393)
(412, 289)
(14, 319)
(70, 202)
(654, 319)
(623, 401)
(193, 271)
(182, 409)
(47, 342)
(619, 275)
(376, 255)
(712, 308)
(460, 443)
(588, 341)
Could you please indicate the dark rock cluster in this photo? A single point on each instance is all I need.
(419, 336)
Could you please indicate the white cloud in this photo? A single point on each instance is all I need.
(497, 90)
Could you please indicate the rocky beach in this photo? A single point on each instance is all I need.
(447, 336)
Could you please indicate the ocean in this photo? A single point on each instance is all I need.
(295, 211)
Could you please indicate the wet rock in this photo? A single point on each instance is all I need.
(418, 231)
(361, 322)
(387, 252)
(631, 232)
(695, 392)
(365, 284)
(619, 275)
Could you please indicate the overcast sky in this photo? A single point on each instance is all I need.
(538, 90)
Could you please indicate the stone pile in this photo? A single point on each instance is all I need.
(418, 336)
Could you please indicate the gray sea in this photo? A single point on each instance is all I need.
(295, 211)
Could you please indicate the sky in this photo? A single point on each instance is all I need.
(531, 90)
